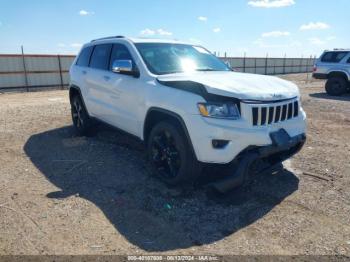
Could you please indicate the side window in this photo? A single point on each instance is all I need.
(120, 52)
(100, 56)
(327, 57)
(333, 57)
(84, 57)
(340, 56)
(348, 61)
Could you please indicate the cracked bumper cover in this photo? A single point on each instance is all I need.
(282, 148)
(240, 134)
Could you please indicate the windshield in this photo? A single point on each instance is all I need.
(166, 58)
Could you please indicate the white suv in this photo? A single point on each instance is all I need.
(334, 66)
(187, 106)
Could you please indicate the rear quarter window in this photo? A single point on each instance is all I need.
(333, 57)
(84, 56)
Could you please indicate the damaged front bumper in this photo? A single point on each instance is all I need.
(283, 147)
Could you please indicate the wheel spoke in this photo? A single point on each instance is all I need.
(173, 153)
(172, 168)
(169, 138)
(159, 143)
(165, 155)
(76, 105)
(155, 155)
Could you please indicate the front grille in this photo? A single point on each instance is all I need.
(269, 114)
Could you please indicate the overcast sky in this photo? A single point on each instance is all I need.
(257, 27)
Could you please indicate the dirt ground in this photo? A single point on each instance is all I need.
(63, 194)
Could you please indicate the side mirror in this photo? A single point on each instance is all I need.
(124, 67)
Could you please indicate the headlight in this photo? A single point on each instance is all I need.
(218, 110)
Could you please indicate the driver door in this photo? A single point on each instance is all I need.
(125, 93)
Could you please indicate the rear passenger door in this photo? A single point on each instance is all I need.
(97, 86)
(79, 72)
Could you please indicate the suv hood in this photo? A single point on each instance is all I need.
(239, 85)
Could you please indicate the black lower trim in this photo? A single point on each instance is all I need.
(319, 76)
(239, 174)
(283, 147)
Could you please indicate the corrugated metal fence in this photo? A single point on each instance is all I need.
(43, 71)
(270, 66)
(34, 71)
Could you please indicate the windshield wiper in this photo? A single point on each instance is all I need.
(206, 69)
(199, 69)
(171, 72)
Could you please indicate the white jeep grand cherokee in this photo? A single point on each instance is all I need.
(187, 106)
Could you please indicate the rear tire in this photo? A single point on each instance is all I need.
(170, 154)
(336, 86)
(80, 117)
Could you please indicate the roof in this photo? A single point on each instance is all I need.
(156, 40)
(339, 50)
(141, 40)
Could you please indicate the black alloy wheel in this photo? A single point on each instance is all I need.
(80, 117)
(77, 114)
(165, 156)
(171, 155)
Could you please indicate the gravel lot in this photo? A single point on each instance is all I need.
(63, 194)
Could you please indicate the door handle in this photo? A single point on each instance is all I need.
(106, 78)
(84, 72)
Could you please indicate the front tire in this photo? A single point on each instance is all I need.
(170, 154)
(336, 86)
(80, 117)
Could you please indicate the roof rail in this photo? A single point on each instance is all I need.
(109, 37)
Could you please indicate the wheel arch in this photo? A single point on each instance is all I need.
(74, 91)
(338, 73)
(155, 115)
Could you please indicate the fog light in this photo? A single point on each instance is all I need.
(219, 144)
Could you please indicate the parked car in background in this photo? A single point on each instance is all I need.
(187, 106)
(335, 67)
